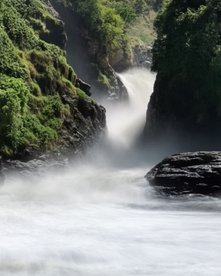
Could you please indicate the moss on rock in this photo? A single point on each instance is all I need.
(36, 83)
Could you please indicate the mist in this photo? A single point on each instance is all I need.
(97, 215)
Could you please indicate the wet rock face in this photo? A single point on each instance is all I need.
(2, 177)
(188, 173)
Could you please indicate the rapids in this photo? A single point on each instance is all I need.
(99, 217)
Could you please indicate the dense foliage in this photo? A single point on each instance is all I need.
(32, 73)
(108, 20)
(113, 30)
(187, 57)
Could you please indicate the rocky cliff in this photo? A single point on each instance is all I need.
(40, 107)
(186, 102)
(111, 37)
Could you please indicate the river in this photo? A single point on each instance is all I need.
(98, 216)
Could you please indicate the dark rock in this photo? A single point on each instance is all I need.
(184, 103)
(188, 173)
(142, 56)
(54, 32)
(37, 166)
(2, 177)
(83, 86)
(174, 118)
(120, 60)
(117, 91)
(85, 124)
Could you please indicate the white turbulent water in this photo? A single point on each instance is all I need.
(125, 120)
(98, 219)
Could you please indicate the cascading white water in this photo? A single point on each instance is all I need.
(126, 119)
(95, 219)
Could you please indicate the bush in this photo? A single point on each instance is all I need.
(10, 62)
(13, 107)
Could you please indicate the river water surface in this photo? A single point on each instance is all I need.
(99, 217)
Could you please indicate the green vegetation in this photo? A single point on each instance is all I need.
(187, 57)
(116, 28)
(104, 23)
(141, 32)
(32, 74)
(112, 21)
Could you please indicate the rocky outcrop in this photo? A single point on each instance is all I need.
(142, 56)
(83, 127)
(56, 33)
(188, 173)
(121, 60)
(116, 89)
(52, 30)
(83, 86)
(174, 117)
(185, 103)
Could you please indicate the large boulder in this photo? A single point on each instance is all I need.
(188, 173)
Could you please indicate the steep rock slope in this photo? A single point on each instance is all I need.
(40, 108)
(186, 102)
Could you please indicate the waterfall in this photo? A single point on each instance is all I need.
(97, 218)
(126, 120)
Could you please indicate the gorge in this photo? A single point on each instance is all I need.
(98, 216)
(74, 199)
